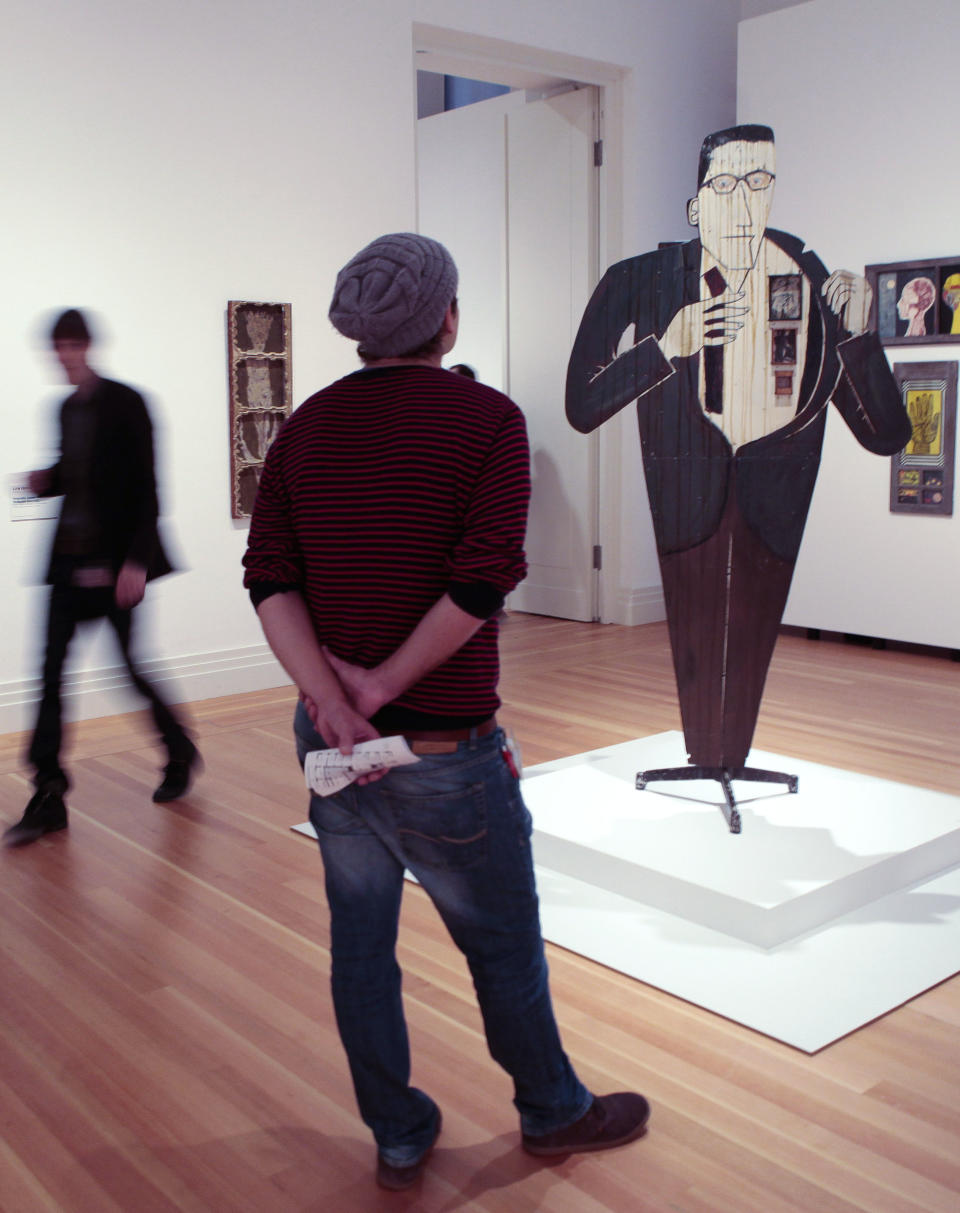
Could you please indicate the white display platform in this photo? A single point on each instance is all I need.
(833, 906)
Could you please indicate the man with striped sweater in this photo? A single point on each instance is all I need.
(388, 528)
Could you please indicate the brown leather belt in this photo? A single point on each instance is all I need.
(445, 741)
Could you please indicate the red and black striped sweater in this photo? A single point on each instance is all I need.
(381, 493)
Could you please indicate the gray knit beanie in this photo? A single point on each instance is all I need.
(391, 297)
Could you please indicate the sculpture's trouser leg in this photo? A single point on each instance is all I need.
(724, 599)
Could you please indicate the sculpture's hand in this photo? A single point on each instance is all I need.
(848, 296)
(707, 322)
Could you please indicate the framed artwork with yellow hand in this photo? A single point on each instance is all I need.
(921, 475)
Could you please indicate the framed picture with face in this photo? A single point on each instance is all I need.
(916, 302)
(785, 297)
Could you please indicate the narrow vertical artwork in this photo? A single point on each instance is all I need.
(259, 352)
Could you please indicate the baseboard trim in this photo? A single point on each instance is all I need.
(637, 606)
(107, 691)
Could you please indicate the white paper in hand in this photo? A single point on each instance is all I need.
(327, 771)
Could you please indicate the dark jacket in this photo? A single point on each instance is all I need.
(123, 490)
(688, 459)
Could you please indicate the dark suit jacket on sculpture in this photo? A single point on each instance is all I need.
(701, 493)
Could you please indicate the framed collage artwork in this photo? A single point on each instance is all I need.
(259, 356)
(916, 302)
(921, 475)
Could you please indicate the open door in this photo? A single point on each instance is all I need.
(551, 269)
(510, 187)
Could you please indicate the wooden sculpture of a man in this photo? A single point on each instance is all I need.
(732, 345)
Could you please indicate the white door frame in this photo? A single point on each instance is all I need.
(454, 52)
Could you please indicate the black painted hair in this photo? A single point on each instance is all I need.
(733, 134)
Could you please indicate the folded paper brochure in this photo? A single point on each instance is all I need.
(327, 771)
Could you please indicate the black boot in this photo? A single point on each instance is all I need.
(45, 814)
(178, 775)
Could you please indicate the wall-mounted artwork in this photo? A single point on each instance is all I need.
(733, 346)
(916, 302)
(921, 475)
(259, 350)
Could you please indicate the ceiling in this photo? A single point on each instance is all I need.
(756, 8)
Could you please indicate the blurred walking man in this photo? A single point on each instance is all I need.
(105, 549)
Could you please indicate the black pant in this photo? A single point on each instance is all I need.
(70, 605)
(725, 599)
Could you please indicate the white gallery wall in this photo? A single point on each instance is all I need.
(867, 172)
(160, 160)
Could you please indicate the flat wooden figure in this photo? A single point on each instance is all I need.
(732, 345)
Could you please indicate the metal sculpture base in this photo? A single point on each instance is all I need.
(724, 776)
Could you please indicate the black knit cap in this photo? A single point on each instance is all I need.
(70, 326)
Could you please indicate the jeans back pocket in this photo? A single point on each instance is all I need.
(445, 830)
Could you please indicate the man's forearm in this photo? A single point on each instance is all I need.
(289, 631)
(440, 633)
(287, 625)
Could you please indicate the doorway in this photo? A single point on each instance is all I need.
(511, 186)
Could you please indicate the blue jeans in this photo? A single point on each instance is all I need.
(458, 823)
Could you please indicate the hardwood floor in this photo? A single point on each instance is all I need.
(166, 1036)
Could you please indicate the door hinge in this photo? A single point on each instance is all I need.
(598, 153)
(597, 556)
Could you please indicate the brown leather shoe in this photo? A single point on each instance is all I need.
(395, 1179)
(611, 1120)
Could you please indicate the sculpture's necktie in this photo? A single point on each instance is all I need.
(713, 354)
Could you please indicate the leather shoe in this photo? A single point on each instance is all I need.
(177, 776)
(395, 1179)
(45, 814)
(611, 1120)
